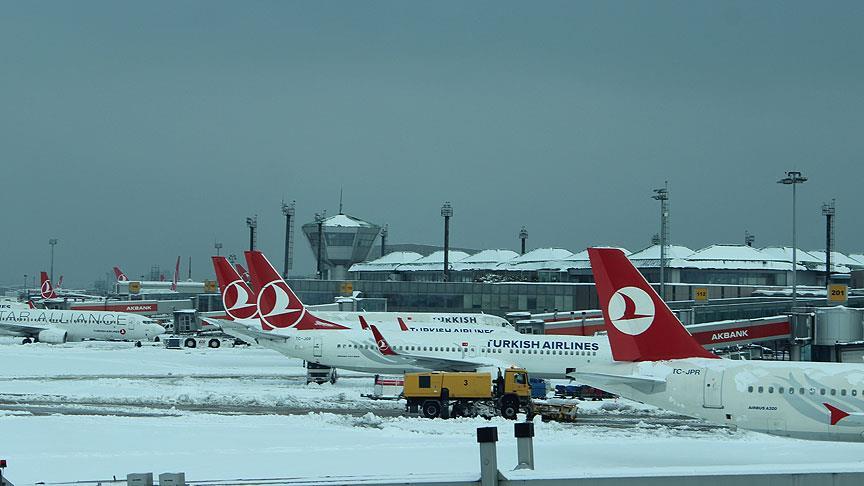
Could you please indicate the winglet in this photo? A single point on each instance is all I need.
(121, 277)
(383, 345)
(402, 324)
(836, 414)
(363, 324)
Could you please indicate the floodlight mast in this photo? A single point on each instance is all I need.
(447, 213)
(794, 178)
(662, 195)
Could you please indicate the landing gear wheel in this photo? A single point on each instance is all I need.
(156, 339)
(214, 343)
(189, 343)
(137, 344)
(27, 340)
(431, 409)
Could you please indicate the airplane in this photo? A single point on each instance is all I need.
(59, 326)
(48, 292)
(656, 361)
(278, 320)
(158, 286)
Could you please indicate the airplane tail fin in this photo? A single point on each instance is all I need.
(46, 289)
(278, 305)
(402, 324)
(383, 345)
(176, 275)
(641, 326)
(243, 273)
(121, 277)
(238, 299)
(363, 324)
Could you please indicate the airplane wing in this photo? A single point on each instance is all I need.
(646, 384)
(438, 363)
(243, 332)
(22, 329)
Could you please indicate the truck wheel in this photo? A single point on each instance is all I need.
(431, 409)
(214, 343)
(509, 409)
(189, 343)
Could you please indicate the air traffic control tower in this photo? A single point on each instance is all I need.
(347, 240)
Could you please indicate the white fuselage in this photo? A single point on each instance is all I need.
(543, 356)
(777, 397)
(78, 325)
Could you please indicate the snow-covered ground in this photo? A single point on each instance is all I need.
(90, 411)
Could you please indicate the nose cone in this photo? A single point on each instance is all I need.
(156, 329)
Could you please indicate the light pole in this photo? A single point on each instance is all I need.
(794, 178)
(288, 211)
(252, 223)
(662, 195)
(447, 213)
(523, 236)
(828, 211)
(319, 220)
(218, 247)
(52, 242)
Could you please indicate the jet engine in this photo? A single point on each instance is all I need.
(52, 336)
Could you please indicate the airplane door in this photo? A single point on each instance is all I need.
(712, 388)
(317, 345)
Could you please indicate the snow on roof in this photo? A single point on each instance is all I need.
(857, 257)
(485, 260)
(653, 253)
(836, 258)
(784, 254)
(433, 261)
(543, 255)
(733, 257)
(346, 221)
(388, 262)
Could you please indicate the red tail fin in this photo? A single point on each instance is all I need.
(30, 304)
(836, 414)
(121, 277)
(640, 325)
(383, 345)
(278, 306)
(402, 325)
(45, 288)
(176, 274)
(363, 324)
(239, 300)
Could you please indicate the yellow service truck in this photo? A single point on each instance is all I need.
(468, 394)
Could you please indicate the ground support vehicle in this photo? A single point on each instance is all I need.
(320, 374)
(201, 341)
(556, 412)
(386, 387)
(468, 394)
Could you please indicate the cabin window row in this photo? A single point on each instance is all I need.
(804, 391)
(451, 349)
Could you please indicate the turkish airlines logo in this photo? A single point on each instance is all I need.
(631, 310)
(122, 277)
(382, 345)
(237, 301)
(274, 303)
(46, 289)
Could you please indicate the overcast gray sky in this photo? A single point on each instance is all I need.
(136, 132)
